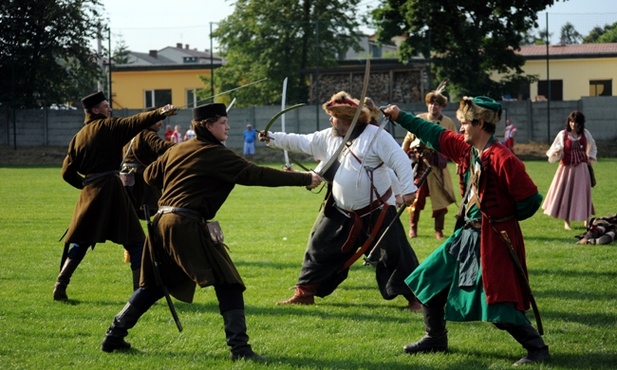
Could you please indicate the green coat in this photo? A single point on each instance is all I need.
(199, 175)
(103, 210)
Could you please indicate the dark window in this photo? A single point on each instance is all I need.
(556, 93)
(157, 98)
(600, 88)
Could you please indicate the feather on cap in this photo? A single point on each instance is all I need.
(436, 95)
(342, 106)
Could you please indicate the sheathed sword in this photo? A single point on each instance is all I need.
(156, 263)
(521, 274)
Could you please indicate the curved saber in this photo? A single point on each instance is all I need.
(336, 154)
(283, 103)
(276, 116)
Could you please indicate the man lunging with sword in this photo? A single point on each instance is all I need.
(479, 273)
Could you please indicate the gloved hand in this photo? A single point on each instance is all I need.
(168, 110)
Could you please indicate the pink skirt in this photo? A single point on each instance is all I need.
(569, 196)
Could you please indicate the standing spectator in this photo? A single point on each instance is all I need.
(438, 184)
(196, 178)
(168, 133)
(176, 136)
(472, 275)
(250, 136)
(569, 196)
(509, 134)
(103, 210)
(144, 149)
(359, 204)
(189, 134)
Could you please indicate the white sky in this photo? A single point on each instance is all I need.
(147, 25)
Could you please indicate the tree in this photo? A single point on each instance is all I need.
(121, 54)
(275, 39)
(44, 54)
(602, 35)
(467, 42)
(569, 35)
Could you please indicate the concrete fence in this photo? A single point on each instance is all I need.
(536, 121)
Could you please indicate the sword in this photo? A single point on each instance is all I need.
(368, 260)
(154, 244)
(521, 274)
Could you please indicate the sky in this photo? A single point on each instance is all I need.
(145, 25)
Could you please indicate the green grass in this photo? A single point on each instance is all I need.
(351, 329)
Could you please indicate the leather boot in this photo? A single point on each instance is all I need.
(414, 304)
(124, 320)
(64, 278)
(304, 294)
(414, 217)
(528, 337)
(237, 339)
(136, 276)
(440, 217)
(436, 337)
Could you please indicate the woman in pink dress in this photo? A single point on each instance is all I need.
(569, 196)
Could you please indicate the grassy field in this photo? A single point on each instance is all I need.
(574, 285)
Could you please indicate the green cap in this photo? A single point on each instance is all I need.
(488, 103)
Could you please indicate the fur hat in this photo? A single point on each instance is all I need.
(435, 97)
(373, 109)
(480, 107)
(206, 111)
(93, 100)
(342, 106)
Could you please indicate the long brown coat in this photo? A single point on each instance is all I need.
(199, 175)
(103, 210)
(144, 149)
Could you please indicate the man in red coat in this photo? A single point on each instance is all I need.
(472, 276)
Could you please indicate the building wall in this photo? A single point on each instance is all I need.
(575, 74)
(128, 87)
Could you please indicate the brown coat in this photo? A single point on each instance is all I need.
(145, 148)
(199, 175)
(103, 210)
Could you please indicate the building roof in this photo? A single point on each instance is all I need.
(569, 51)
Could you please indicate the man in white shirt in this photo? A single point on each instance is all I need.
(359, 204)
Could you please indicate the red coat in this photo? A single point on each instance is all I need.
(503, 183)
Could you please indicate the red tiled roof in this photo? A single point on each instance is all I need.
(569, 50)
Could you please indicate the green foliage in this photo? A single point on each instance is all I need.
(44, 54)
(121, 53)
(466, 41)
(275, 39)
(354, 328)
(605, 34)
(569, 35)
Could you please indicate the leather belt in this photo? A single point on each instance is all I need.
(375, 204)
(184, 212)
(474, 224)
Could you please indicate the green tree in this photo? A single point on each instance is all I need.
(467, 42)
(569, 35)
(44, 53)
(275, 39)
(121, 52)
(605, 34)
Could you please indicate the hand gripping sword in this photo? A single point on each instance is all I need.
(156, 262)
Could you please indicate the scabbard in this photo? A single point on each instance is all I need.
(155, 245)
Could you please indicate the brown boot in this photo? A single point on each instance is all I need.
(414, 304)
(414, 217)
(440, 217)
(304, 294)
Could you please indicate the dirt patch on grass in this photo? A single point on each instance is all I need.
(53, 156)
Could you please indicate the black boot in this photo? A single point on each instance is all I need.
(136, 276)
(237, 339)
(528, 337)
(436, 337)
(64, 278)
(124, 320)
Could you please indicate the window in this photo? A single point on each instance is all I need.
(556, 89)
(157, 98)
(601, 88)
(191, 98)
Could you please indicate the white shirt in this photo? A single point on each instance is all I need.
(351, 187)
